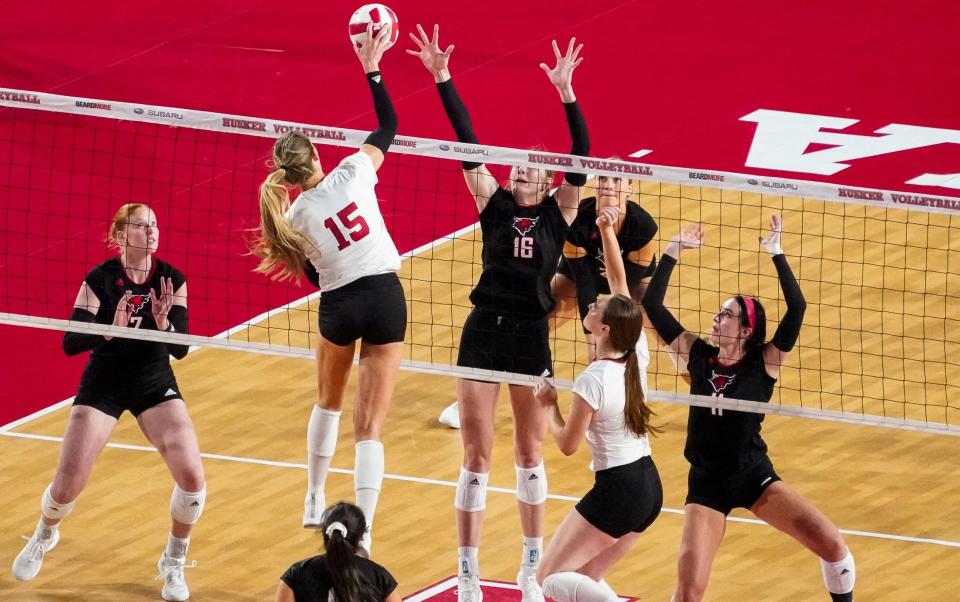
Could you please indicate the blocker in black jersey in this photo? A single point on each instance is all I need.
(312, 581)
(588, 269)
(128, 374)
(521, 248)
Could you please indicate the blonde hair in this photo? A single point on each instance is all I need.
(278, 245)
(120, 220)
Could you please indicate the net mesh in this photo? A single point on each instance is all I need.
(881, 336)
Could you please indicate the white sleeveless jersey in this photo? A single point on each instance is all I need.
(341, 223)
(601, 385)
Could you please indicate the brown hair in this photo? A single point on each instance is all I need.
(278, 245)
(625, 320)
(120, 220)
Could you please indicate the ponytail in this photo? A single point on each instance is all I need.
(342, 526)
(625, 320)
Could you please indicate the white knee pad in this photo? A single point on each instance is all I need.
(532, 484)
(186, 507)
(471, 491)
(322, 431)
(839, 576)
(53, 509)
(368, 465)
(574, 587)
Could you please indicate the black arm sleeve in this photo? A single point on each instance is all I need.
(580, 138)
(663, 321)
(78, 342)
(789, 329)
(178, 319)
(311, 273)
(458, 116)
(381, 137)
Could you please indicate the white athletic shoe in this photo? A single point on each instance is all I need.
(450, 415)
(171, 572)
(609, 590)
(28, 562)
(468, 589)
(530, 590)
(313, 507)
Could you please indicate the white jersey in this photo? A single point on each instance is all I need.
(601, 385)
(340, 220)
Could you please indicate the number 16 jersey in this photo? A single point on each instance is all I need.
(340, 220)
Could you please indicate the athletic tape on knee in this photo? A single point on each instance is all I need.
(839, 576)
(574, 587)
(471, 491)
(186, 507)
(53, 509)
(532, 484)
(368, 465)
(322, 431)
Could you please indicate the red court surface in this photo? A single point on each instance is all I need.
(672, 78)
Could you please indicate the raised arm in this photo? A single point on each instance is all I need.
(789, 329)
(567, 433)
(170, 313)
(612, 256)
(674, 335)
(480, 181)
(561, 76)
(370, 53)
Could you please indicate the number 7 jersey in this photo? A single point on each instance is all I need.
(340, 220)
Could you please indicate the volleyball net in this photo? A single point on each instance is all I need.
(880, 270)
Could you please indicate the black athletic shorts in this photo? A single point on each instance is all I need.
(723, 494)
(112, 392)
(372, 309)
(495, 341)
(624, 498)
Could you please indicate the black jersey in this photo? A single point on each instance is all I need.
(109, 281)
(521, 248)
(725, 442)
(311, 581)
(588, 269)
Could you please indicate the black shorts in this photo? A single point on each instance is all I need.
(624, 498)
(105, 390)
(494, 341)
(372, 309)
(723, 494)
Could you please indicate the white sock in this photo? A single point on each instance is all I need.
(469, 562)
(176, 547)
(368, 477)
(574, 587)
(322, 432)
(532, 550)
(45, 531)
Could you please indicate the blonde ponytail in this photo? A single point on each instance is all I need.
(278, 246)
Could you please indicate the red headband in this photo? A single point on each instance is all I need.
(751, 311)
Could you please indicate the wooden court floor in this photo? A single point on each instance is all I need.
(894, 492)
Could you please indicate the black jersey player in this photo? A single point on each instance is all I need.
(729, 466)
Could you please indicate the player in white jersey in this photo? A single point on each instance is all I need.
(609, 408)
(335, 232)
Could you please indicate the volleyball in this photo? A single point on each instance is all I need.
(380, 16)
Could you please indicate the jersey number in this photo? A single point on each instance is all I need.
(135, 321)
(716, 411)
(523, 247)
(349, 221)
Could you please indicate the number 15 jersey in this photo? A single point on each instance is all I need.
(340, 220)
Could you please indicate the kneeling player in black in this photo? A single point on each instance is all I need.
(729, 466)
(135, 290)
(523, 231)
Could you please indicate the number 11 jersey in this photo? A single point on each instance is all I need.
(340, 220)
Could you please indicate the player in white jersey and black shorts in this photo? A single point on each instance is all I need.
(138, 291)
(523, 229)
(729, 466)
(609, 408)
(335, 227)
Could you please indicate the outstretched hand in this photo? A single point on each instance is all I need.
(561, 76)
(373, 47)
(772, 242)
(545, 392)
(160, 304)
(429, 52)
(689, 237)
